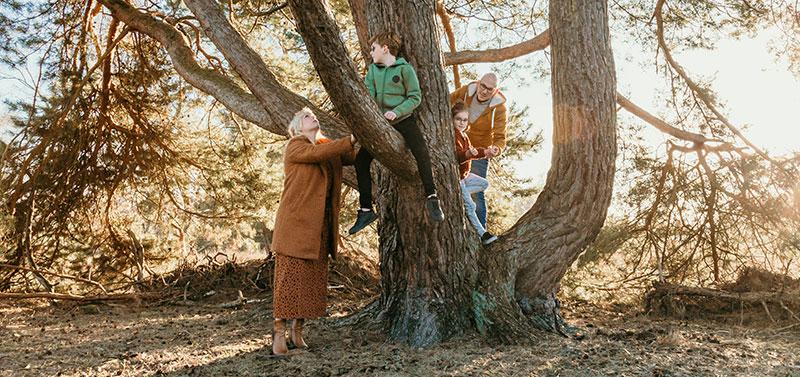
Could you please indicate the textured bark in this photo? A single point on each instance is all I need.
(339, 76)
(571, 209)
(451, 39)
(428, 270)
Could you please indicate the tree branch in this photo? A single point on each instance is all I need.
(451, 38)
(339, 76)
(278, 101)
(700, 92)
(271, 11)
(82, 280)
(64, 296)
(358, 10)
(208, 81)
(660, 124)
(537, 43)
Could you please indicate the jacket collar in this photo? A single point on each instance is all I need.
(497, 99)
(397, 61)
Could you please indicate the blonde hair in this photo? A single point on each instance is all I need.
(296, 124)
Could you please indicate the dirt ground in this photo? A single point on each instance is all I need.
(40, 339)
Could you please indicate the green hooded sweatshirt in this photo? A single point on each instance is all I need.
(394, 88)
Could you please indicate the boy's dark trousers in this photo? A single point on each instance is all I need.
(411, 134)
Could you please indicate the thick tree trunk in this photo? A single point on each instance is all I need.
(571, 209)
(426, 268)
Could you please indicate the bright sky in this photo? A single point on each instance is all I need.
(758, 91)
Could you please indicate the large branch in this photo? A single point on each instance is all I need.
(207, 80)
(537, 43)
(280, 102)
(348, 93)
(231, 95)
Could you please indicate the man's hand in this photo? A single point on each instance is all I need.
(472, 152)
(352, 140)
(492, 151)
(390, 115)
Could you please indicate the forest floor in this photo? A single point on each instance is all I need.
(203, 339)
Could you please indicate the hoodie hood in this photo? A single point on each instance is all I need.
(397, 62)
(497, 99)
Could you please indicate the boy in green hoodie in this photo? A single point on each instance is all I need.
(393, 83)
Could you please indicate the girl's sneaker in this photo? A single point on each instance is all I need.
(488, 238)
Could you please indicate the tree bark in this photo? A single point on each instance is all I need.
(339, 76)
(426, 272)
(571, 209)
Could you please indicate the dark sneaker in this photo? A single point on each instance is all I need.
(364, 218)
(488, 238)
(434, 209)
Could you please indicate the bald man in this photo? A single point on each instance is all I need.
(487, 126)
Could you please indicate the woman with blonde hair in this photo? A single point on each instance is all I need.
(306, 226)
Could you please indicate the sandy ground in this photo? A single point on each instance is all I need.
(39, 339)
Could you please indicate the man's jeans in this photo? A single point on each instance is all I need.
(470, 185)
(481, 169)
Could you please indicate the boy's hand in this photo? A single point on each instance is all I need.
(390, 115)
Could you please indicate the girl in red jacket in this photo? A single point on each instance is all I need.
(470, 182)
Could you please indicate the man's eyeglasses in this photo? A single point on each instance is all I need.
(484, 87)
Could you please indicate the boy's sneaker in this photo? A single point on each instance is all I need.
(488, 238)
(364, 218)
(432, 203)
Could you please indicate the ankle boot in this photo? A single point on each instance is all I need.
(296, 333)
(279, 338)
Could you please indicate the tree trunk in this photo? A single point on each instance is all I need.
(428, 271)
(425, 271)
(571, 209)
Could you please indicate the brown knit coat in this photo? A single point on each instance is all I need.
(300, 217)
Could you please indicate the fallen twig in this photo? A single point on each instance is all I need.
(82, 280)
(66, 296)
